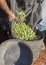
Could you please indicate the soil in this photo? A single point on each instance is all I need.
(41, 60)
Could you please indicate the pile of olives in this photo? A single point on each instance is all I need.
(23, 32)
(21, 15)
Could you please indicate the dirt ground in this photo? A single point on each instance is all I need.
(41, 60)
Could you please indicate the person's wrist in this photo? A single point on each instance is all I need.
(9, 13)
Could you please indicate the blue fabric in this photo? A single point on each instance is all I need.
(43, 14)
(42, 25)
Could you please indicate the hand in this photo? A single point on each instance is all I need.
(17, 19)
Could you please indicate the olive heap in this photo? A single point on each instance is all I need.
(22, 31)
